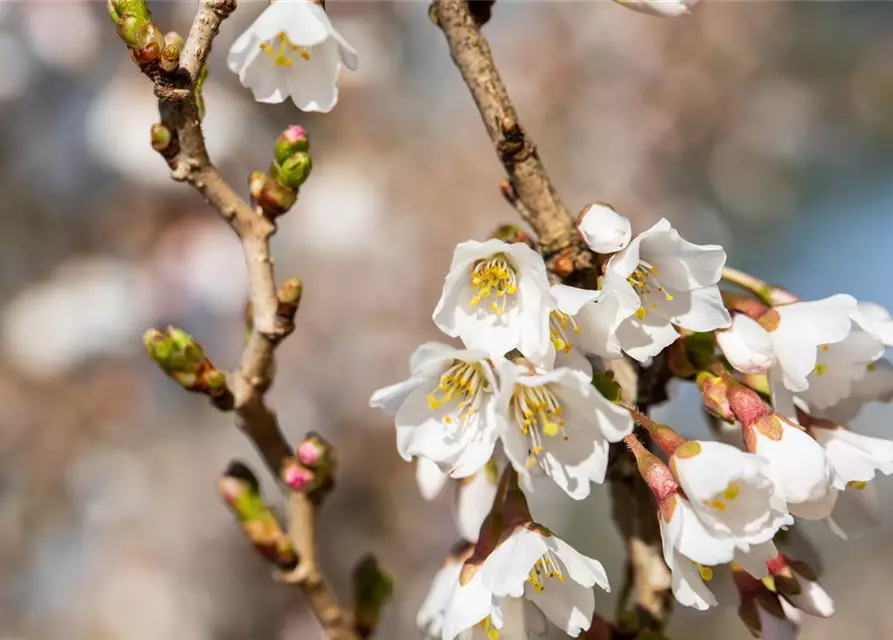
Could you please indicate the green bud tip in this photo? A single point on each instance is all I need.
(291, 291)
(170, 57)
(291, 141)
(161, 137)
(215, 380)
(274, 198)
(128, 27)
(158, 346)
(239, 470)
(294, 170)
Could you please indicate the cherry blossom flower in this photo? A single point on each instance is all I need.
(875, 386)
(444, 411)
(799, 468)
(661, 280)
(786, 341)
(292, 50)
(533, 563)
(731, 492)
(603, 229)
(561, 420)
(587, 320)
(855, 458)
(659, 8)
(496, 298)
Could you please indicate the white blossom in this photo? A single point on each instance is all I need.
(855, 512)
(603, 229)
(855, 458)
(731, 492)
(292, 50)
(787, 341)
(659, 8)
(875, 386)
(662, 281)
(561, 420)
(444, 411)
(801, 471)
(474, 499)
(587, 320)
(533, 563)
(496, 298)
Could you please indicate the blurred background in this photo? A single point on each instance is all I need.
(767, 127)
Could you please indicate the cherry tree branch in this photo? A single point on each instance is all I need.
(540, 206)
(189, 162)
(539, 203)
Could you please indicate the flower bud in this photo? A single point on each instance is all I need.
(161, 137)
(289, 299)
(715, 393)
(170, 57)
(174, 38)
(294, 170)
(240, 490)
(656, 474)
(128, 28)
(138, 8)
(603, 229)
(274, 198)
(511, 233)
(150, 43)
(296, 476)
(372, 589)
(291, 141)
(159, 346)
(747, 406)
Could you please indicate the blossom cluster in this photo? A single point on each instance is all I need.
(521, 395)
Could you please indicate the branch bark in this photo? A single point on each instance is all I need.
(541, 207)
(179, 112)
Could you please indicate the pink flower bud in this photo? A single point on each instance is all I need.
(310, 452)
(747, 406)
(297, 478)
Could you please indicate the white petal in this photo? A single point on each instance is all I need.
(839, 367)
(581, 569)
(696, 542)
(812, 599)
(567, 604)
(802, 328)
(306, 23)
(688, 586)
(875, 386)
(855, 457)
(268, 83)
(603, 229)
(390, 399)
(698, 310)
(799, 467)
(876, 320)
(473, 503)
(772, 628)
(429, 619)
(571, 300)
(658, 8)
(855, 512)
(681, 265)
(746, 345)
(506, 569)
(644, 339)
(599, 321)
(430, 479)
(468, 605)
(754, 561)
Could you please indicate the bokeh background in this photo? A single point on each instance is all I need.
(767, 127)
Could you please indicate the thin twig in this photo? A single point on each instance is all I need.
(249, 383)
(541, 207)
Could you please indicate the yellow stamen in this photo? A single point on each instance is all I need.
(494, 276)
(820, 369)
(284, 54)
(731, 491)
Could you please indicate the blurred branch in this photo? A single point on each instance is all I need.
(633, 509)
(181, 142)
(540, 205)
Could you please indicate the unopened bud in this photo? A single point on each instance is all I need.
(150, 44)
(747, 406)
(372, 589)
(272, 197)
(170, 57)
(310, 452)
(174, 38)
(215, 381)
(290, 141)
(296, 476)
(603, 229)
(562, 265)
(512, 233)
(128, 28)
(714, 390)
(240, 491)
(161, 137)
(159, 346)
(294, 170)
(138, 8)
(289, 299)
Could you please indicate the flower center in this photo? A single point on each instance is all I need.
(537, 411)
(546, 567)
(719, 500)
(461, 384)
(496, 277)
(285, 52)
(644, 281)
(559, 323)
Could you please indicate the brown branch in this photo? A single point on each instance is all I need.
(633, 509)
(190, 163)
(540, 206)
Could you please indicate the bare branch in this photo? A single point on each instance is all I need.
(190, 163)
(541, 207)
